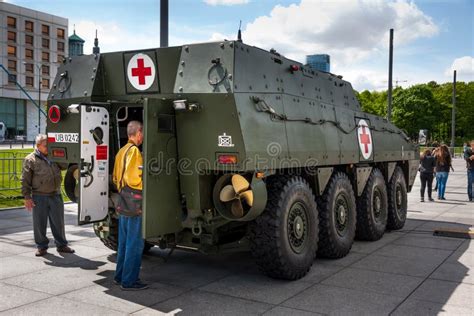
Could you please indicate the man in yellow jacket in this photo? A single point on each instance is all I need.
(127, 177)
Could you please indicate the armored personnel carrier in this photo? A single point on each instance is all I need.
(243, 149)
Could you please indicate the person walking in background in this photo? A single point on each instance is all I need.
(433, 153)
(469, 157)
(427, 165)
(443, 166)
(41, 188)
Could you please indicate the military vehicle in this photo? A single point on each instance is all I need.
(243, 149)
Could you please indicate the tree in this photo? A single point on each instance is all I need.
(427, 106)
(415, 108)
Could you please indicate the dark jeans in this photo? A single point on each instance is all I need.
(426, 181)
(470, 183)
(130, 250)
(51, 207)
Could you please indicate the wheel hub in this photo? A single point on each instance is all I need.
(297, 227)
(341, 213)
(399, 197)
(377, 204)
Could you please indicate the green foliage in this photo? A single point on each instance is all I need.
(427, 106)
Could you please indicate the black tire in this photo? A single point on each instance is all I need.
(110, 237)
(337, 217)
(284, 238)
(70, 183)
(372, 208)
(147, 247)
(110, 240)
(397, 200)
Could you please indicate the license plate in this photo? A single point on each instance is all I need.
(63, 137)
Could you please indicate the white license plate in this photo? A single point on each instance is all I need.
(63, 137)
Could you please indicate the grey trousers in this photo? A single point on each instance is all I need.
(51, 207)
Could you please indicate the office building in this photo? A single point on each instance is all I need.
(320, 62)
(33, 43)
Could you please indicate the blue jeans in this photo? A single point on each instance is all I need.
(130, 250)
(442, 178)
(470, 183)
(48, 207)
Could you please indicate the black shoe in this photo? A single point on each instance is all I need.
(443, 199)
(138, 286)
(117, 282)
(431, 199)
(422, 199)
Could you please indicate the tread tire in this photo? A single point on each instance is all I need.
(331, 244)
(111, 241)
(269, 240)
(397, 215)
(368, 227)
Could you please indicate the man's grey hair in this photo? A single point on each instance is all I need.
(134, 127)
(40, 138)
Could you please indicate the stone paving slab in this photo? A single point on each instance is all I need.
(285, 311)
(373, 281)
(12, 296)
(204, 303)
(256, 287)
(108, 295)
(417, 307)
(326, 299)
(437, 290)
(60, 307)
(408, 272)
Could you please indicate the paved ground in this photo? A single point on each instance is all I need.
(407, 272)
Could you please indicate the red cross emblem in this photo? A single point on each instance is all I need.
(364, 136)
(141, 71)
(365, 139)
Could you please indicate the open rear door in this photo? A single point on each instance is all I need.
(94, 166)
(161, 199)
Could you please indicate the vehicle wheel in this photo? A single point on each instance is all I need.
(372, 208)
(108, 232)
(397, 200)
(147, 247)
(71, 183)
(284, 238)
(337, 217)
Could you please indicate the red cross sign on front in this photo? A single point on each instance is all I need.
(141, 71)
(364, 136)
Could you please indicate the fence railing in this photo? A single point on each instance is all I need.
(11, 163)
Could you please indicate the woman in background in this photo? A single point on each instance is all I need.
(443, 166)
(427, 165)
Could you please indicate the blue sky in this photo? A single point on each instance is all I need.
(431, 37)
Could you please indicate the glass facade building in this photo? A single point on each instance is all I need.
(33, 44)
(12, 114)
(320, 62)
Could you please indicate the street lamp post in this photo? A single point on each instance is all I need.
(38, 67)
(39, 99)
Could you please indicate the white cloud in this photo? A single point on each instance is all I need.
(348, 30)
(464, 67)
(112, 37)
(225, 2)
